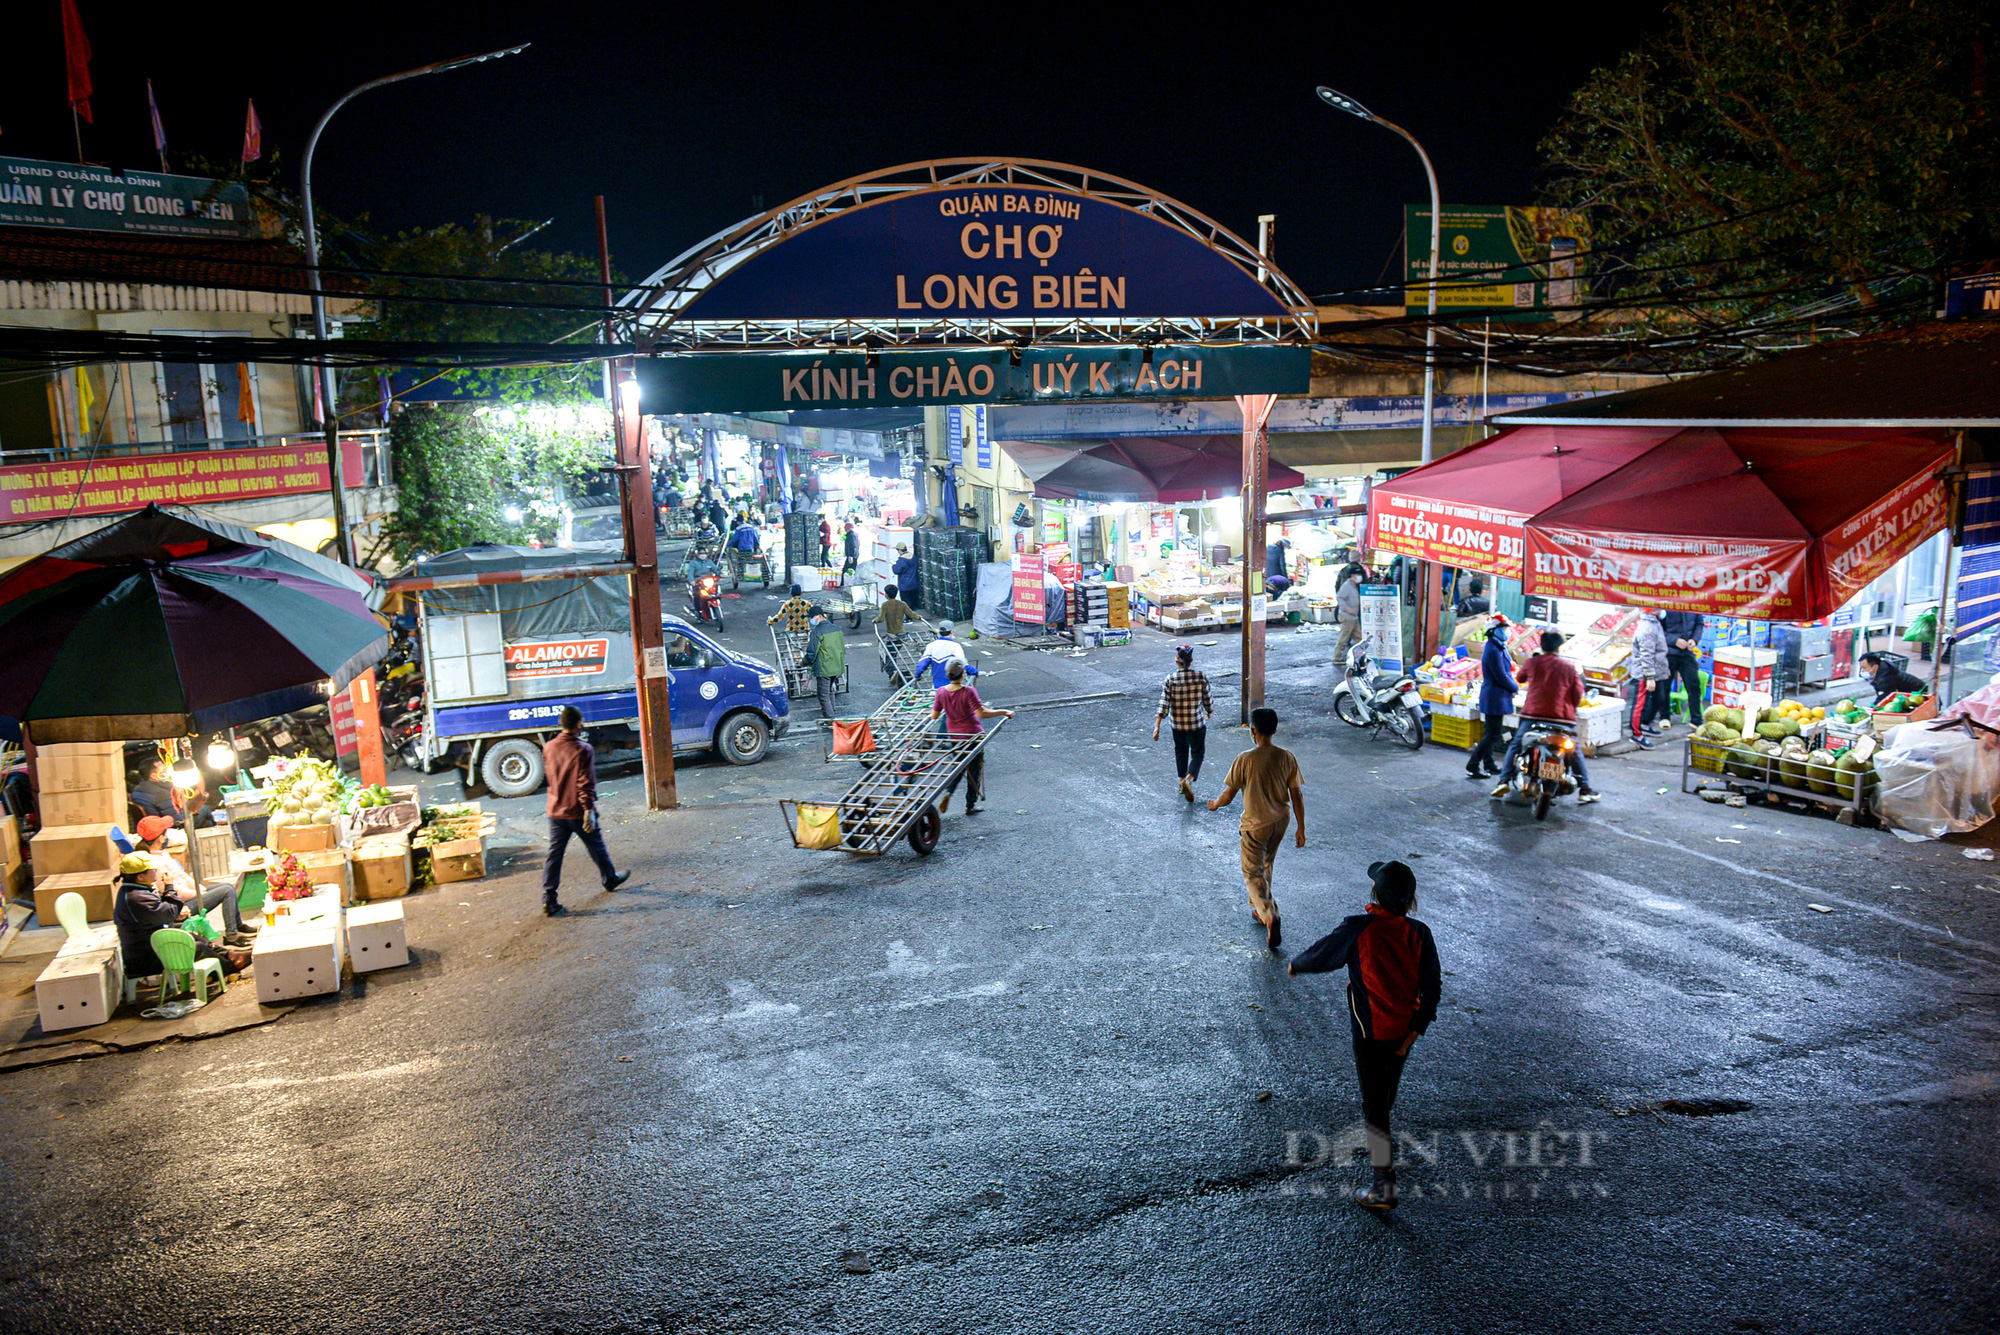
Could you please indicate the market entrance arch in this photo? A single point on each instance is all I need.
(981, 281)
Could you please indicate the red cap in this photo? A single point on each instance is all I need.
(152, 827)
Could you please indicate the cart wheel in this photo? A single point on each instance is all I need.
(925, 830)
(854, 619)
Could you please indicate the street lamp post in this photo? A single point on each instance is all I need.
(330, 416)
(1342, 102)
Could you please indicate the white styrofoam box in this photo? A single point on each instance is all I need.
(104, 936)
(806, 577)
(1598, 725)
(79, 989)
(294, 964)
(377, 937)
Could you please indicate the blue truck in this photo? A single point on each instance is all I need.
(501, 660)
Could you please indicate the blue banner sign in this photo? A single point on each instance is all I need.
(993, 252)
(1976, 295)
(739, 382)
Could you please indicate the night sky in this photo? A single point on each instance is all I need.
(690, 119)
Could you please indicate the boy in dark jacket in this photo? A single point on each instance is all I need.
(1393, 982)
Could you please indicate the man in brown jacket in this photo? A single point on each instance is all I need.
(572, 770)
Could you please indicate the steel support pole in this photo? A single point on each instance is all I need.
(1256, 409)
(635, 494)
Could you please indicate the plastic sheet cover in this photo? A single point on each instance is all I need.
(1938, 783)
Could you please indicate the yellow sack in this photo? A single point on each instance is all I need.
(819, 826)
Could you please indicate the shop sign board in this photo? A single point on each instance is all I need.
(1030, 599)
(742, 382)
(986, 251)
(1382, 624)
(1455, 533)
(345, 739)
(34, 193)
(557, 658)
(1866, 546)
(1761, 580)
(965, 429)
(131, 482)
(1514, 262)
(1976, 294)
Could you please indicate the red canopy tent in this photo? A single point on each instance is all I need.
(1165, 470)
(1470, 509)
(1778, 523)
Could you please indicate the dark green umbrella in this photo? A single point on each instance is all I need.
(167, 623)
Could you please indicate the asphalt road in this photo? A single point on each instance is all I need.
(1018, 1085)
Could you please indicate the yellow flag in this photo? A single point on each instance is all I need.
(85, 400)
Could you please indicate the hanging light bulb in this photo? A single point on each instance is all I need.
(186, 775)
(220, 757)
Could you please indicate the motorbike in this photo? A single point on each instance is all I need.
(1366, 698)
(705, 599)
(1542, 774)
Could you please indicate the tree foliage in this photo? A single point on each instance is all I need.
(1758, 164)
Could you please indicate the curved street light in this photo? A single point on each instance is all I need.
(330, 415)
(1342, 102)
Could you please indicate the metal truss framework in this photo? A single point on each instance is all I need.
(655, 307)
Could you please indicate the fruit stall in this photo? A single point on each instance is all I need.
(1790, 754)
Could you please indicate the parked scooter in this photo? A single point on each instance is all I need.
(705, 599)
(1378, 700)
(1542, 774)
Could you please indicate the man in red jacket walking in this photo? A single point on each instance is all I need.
(1393, 982)
(572, 769)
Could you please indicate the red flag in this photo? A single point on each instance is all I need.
(76, 47)
(253, 133)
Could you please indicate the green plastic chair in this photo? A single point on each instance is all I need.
(250, 896)
(176, 951)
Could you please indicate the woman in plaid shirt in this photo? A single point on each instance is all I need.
(1186, 698)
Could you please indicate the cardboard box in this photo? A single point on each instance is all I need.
(96, 887)
(80, 767)
(294, 964)
(459, 860)
(80, 988)
(382, 869)
(329, 867)
(304, 838)
(377, 937)
(10, 843)
(66, 848)
(99, 806)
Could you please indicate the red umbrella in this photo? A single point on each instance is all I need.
(1166, 470)
(1779, 523)
(1469, 509)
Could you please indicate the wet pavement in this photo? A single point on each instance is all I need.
(1048, 1079)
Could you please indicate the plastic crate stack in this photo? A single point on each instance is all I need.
(1093, 601)
(947, 568)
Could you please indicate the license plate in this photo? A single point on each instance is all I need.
(1412, 699)
(1553, 769)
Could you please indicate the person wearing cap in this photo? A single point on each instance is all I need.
(1393, 986)
(1266, 775)
(1496, 697)
(850, 550)
(940, 654)
(178, 882)
(1185, 696)
(143, 906)
(795, 612)
(826, 653)
(905, 568)
(1554, 690)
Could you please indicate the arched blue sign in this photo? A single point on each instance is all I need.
(989, 252)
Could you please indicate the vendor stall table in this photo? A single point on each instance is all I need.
(1702, 762)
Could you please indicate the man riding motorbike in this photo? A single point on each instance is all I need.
(1554, 689)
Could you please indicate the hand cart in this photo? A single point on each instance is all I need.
(800, 680)
(900, 652)
(838, 604)
(673, 555)
(742, 563)
(898, 797)
(891, 725)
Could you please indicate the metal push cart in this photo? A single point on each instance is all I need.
(898, 796)
(894, 721)
(790, 649)
(751, 565)
(838, 604)
(900, 652)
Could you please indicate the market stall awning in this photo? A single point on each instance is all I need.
(1165, 470)
(1781, 524)
(1469, 509)
(1776, 524)
(167, 623)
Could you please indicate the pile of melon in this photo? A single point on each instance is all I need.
(309, 792)
(1771, 748)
